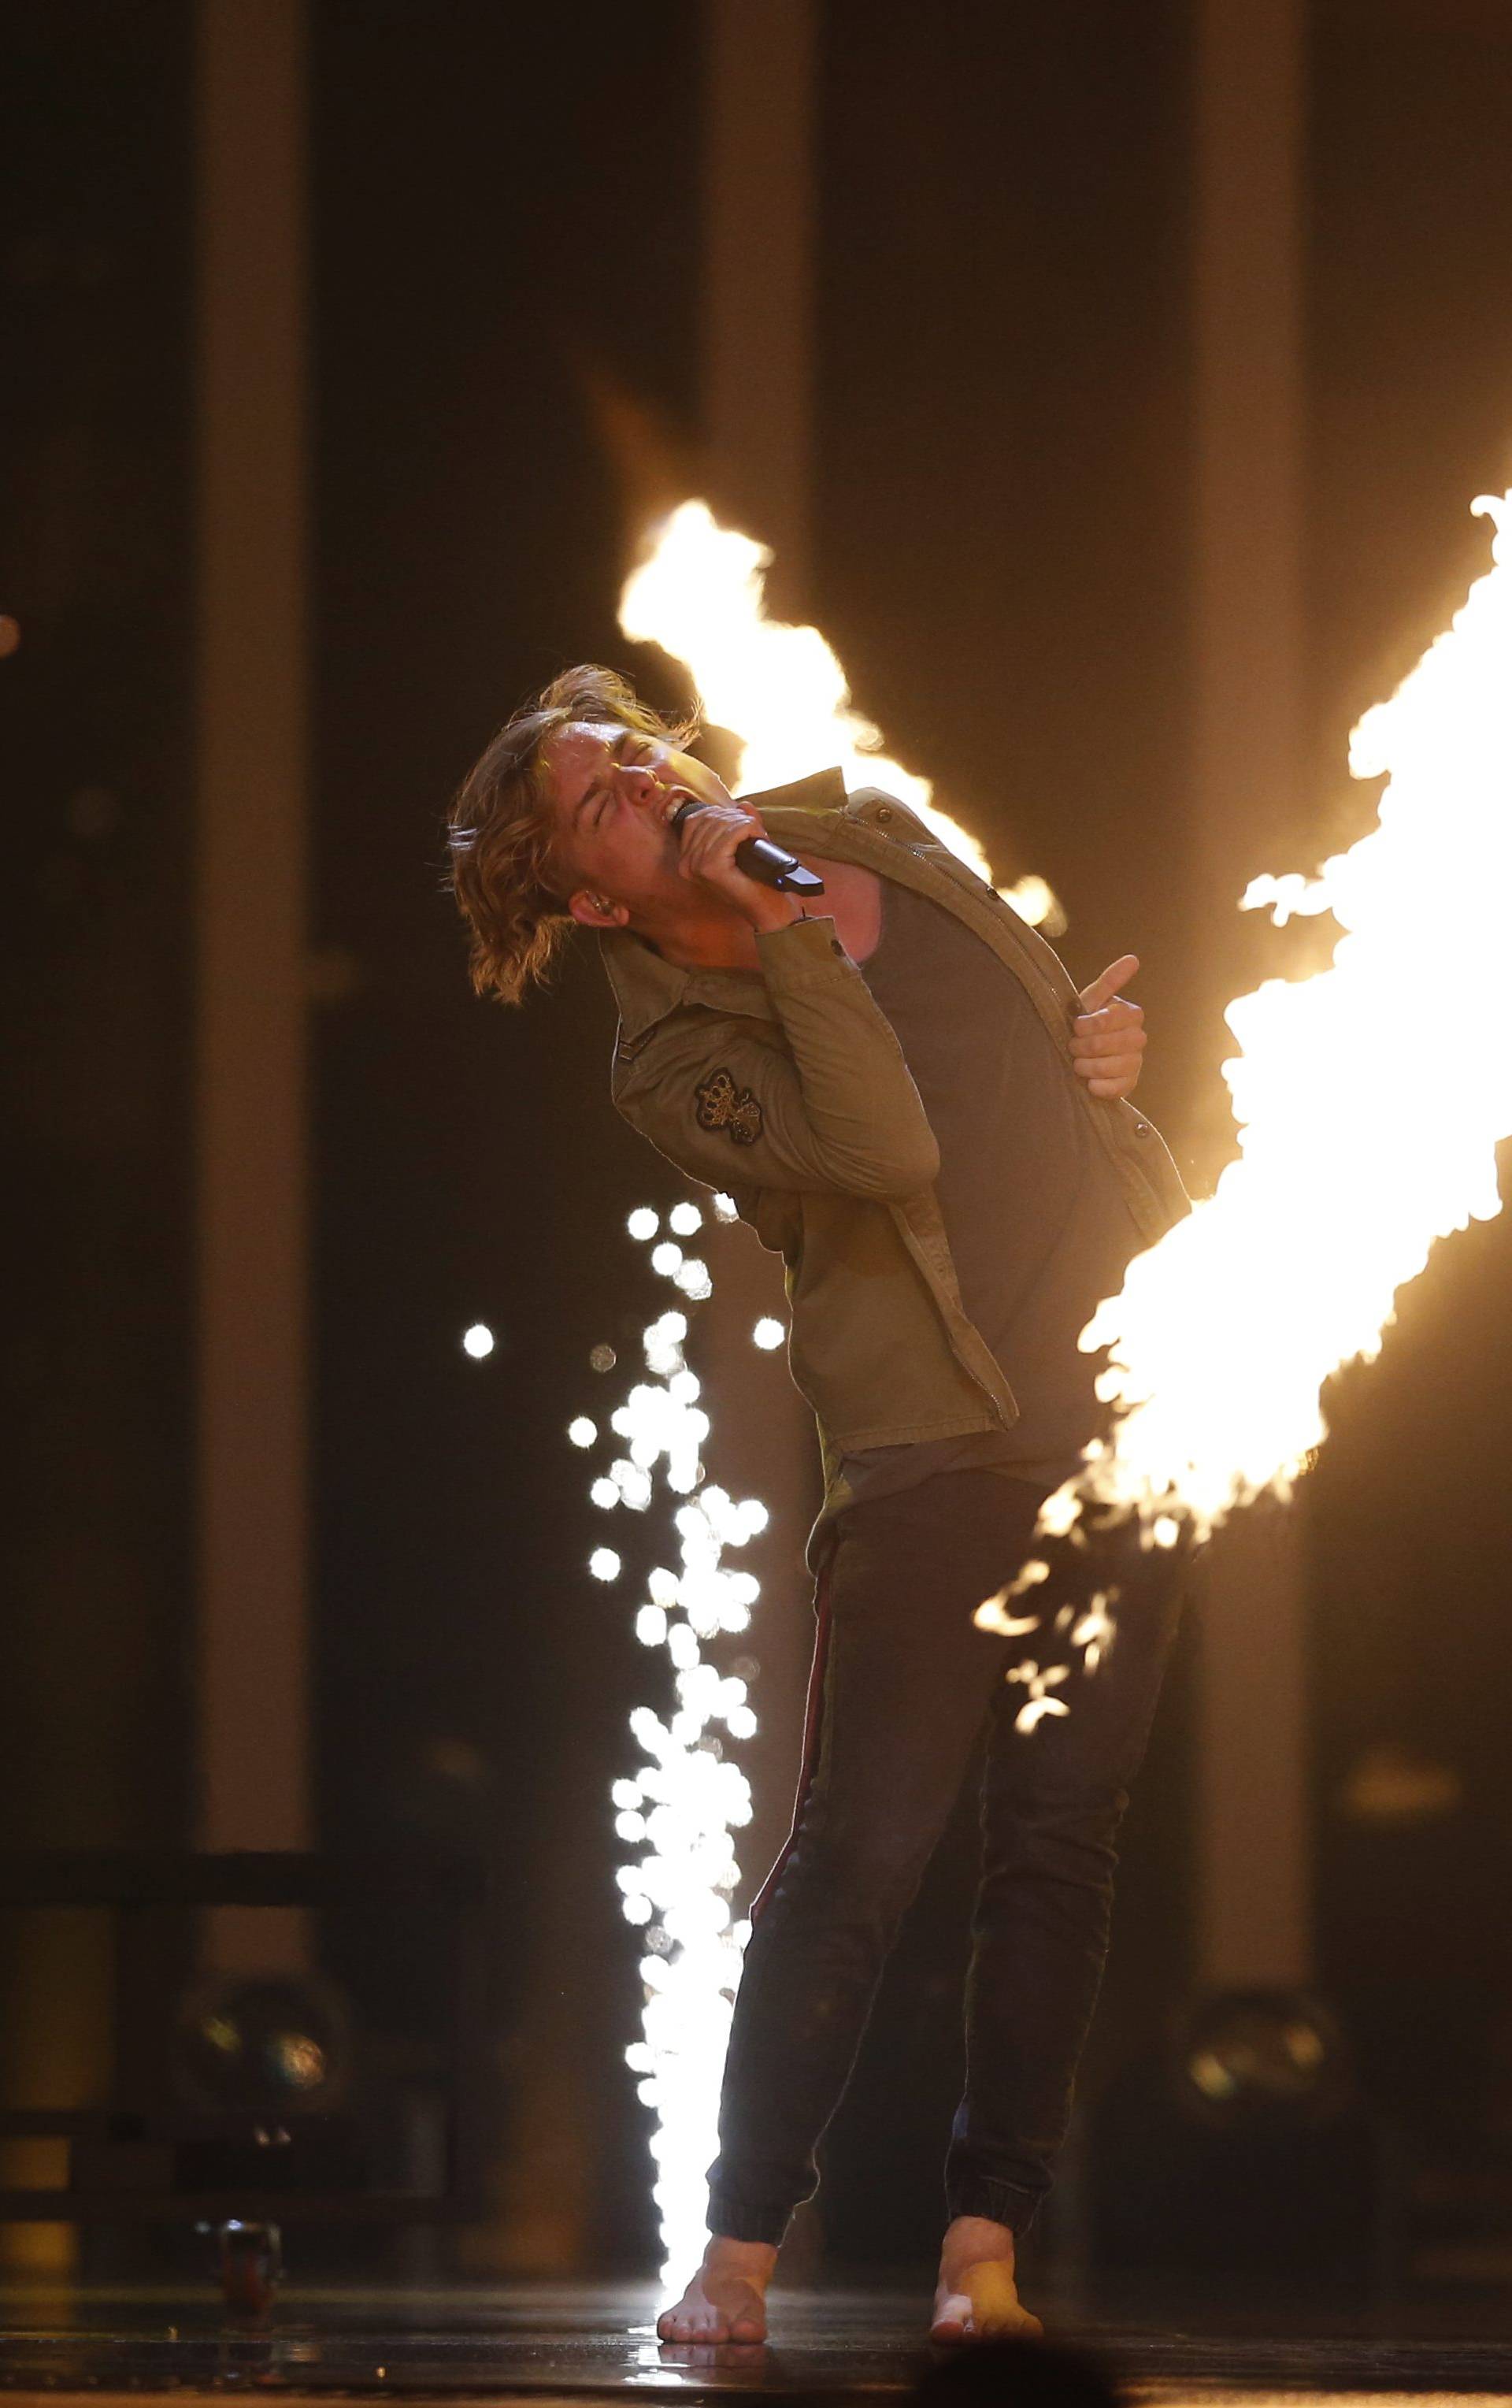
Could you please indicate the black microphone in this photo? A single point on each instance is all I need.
(758, 857)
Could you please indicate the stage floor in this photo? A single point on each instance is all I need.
(578, 2342)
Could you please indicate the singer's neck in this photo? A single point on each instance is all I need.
(715, 938)
(696, 934)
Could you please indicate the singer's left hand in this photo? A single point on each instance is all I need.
(1107, 1038)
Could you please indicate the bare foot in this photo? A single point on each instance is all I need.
(977, 2299)
(726, 2299)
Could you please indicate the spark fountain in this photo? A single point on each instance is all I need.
(681, 1807)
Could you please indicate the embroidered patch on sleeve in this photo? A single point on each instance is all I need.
(722, 1105)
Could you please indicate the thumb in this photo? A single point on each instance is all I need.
(1106, 984)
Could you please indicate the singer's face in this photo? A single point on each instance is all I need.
(613, 794)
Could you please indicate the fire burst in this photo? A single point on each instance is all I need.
(779, 689)
(1355, 1156)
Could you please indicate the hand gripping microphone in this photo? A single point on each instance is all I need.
(758, 857)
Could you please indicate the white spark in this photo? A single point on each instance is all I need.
(632, 1484)
(1039, 1702)
(643, 1223)
(604, 1564)
(684, 1219)
(991, 1615)
(1093, 1632)
(767, 1334)
(582, 1433)
(662, 1345)
(477, 1340)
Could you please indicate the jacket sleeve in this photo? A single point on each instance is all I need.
(834, 1106)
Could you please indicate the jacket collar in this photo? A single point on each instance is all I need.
(647, 988)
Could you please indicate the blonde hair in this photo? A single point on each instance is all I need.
(503, 873)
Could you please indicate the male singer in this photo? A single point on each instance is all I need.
(904, 1094)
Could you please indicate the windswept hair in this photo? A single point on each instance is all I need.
(509, 887)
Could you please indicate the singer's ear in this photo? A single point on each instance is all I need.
(596, 910)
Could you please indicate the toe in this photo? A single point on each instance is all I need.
(952, 2317)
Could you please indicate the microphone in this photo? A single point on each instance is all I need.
(758, 857)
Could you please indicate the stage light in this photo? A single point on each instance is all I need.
(1240, 2147)
(1251, 2054)
(268, 2045)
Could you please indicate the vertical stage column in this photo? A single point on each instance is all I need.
(758, 108)
(252, 1674)
(759, 196)
(1254, 1908)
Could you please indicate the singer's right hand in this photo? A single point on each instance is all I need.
(708, 839)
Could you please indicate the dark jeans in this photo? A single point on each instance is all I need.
(903, 1684)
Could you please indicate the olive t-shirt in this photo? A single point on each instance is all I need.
(1036, 1220)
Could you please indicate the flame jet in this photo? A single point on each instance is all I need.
(779, 689)
(1351, 1162)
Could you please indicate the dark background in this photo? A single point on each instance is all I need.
(505, 228)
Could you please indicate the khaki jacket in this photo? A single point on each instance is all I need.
(787, 1089)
